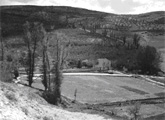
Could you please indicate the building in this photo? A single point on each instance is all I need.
(102, 64)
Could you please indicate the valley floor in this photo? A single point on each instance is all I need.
(106, 88)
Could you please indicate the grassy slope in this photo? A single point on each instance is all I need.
(23, 103)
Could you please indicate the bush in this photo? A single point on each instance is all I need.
(53, 95)
(25, 110)
(47, 118)
(135, 111)
(79, 64)
(5, 72)
(49, 97)
(11, 96)
(72, 63)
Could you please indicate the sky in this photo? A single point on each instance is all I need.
(110, 6)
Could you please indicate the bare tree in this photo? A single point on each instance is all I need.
(61, 47)
(33, 35)
(45, 60)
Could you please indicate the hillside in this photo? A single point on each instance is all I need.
(19, 103)
(93, 34)
(13, 17)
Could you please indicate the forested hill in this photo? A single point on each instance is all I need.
(54, 17)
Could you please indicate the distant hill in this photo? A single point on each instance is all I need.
(13, 17)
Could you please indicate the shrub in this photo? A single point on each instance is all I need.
(11, 96)
(72, 63)
(25, 110)
(5, 72)
(79, 64)
(47, 118)
(135, 111)
(53, 96)
(49, 97)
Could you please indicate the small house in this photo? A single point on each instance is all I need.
(102, 64)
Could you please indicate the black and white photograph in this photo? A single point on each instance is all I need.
(82, 59)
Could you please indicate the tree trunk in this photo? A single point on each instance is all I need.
(2, 49)
(47, 59)
(44, 69)
(30, 62)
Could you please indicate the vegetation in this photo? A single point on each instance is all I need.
(135, 111)
(13, 17)
(45, 69)
(33, 35)
(6, 72)
(144, 60)
(59, 50)
(58, 37)
(85, 35)
(8, 62)
(148, 60)
(79, 65)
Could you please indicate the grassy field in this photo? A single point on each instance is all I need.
(100, 89)
(108, 89)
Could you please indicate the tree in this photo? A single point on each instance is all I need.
(6, 71)
(60, 51)
(136, 39)
(104, 33)
(32, 35)
(2, 47)
(124, 40)
(93, 28)
(148, 60)
(45, 60)
(8, 61)
(79, 64)
(9, 65)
